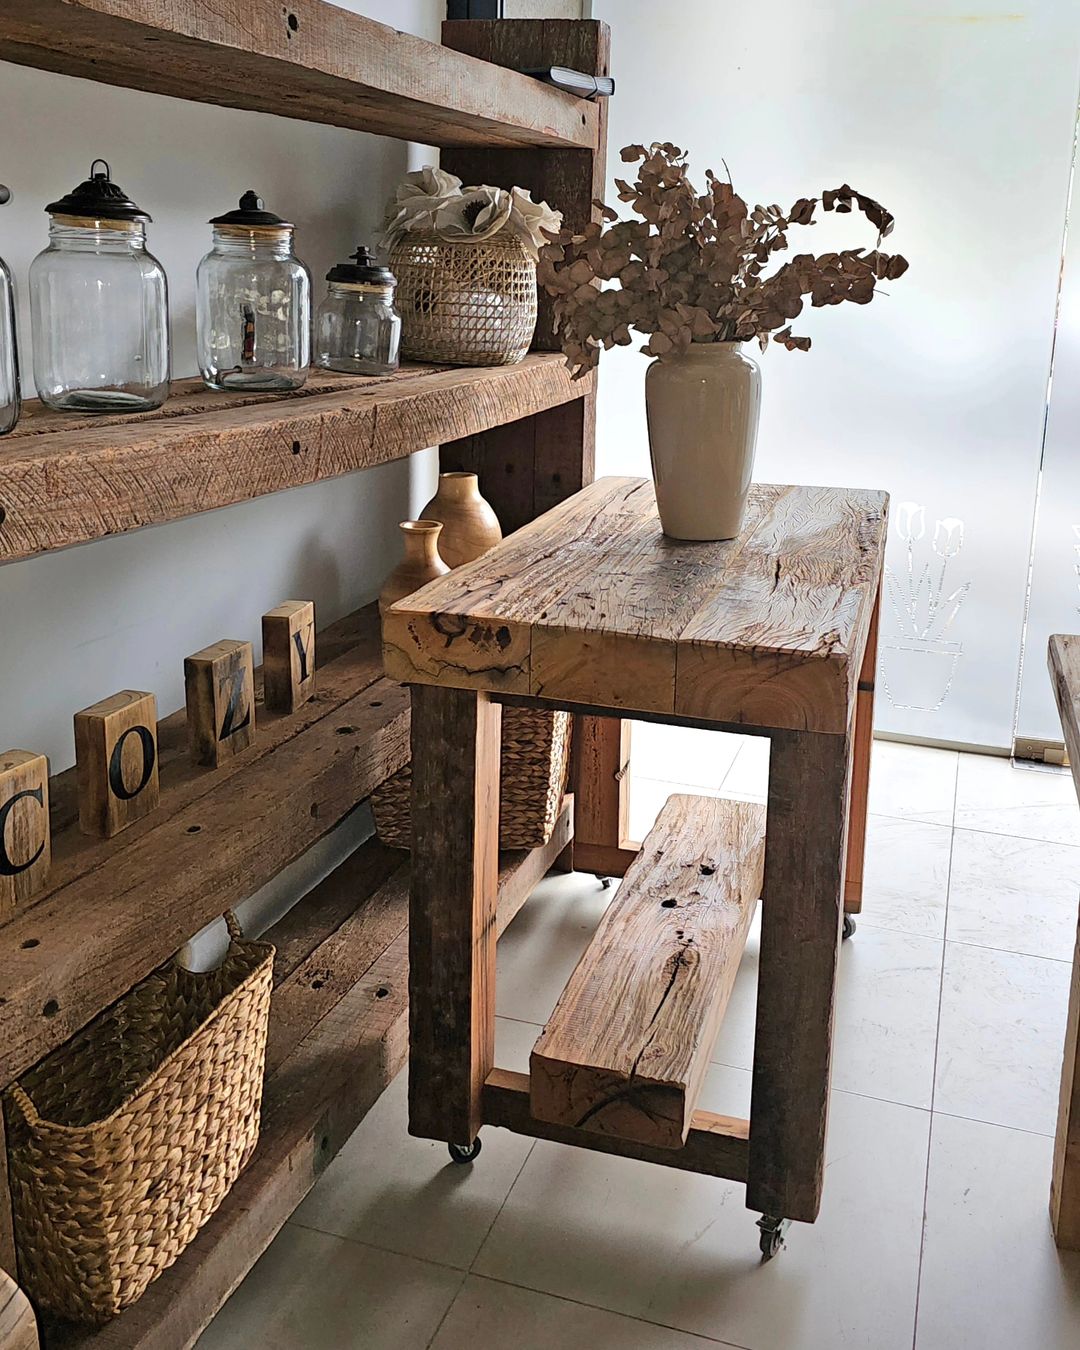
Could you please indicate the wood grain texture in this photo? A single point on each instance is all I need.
(627, 1047)
(116, 762)
(288, 634)
(716, 1145)
(862, 744)
(65, 482)
(802, 907)
(455, 812)
(25, 836)
(1064, 660)
(18, 1327)
(308, 60)
(592, 605)
(343, 1052)
(115, 910)
(219, 686)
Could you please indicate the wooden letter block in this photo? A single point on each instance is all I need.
(116, 762)
(289, 655)
(25, 841)
(220, 687)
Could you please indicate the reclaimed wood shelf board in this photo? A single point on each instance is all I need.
(338, 1035)
(114, 909)
(306, 59)
(67, 479)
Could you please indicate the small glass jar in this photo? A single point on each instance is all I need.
(253, 303)
(357, 329)
(99, 305)
(9, 352)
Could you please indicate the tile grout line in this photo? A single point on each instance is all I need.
(447, 1310)
(509, 1191)
(933, 1080)
(612, 1312)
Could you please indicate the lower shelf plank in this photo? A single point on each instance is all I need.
(626, 1049)
(716, 1145)
(338, 1037)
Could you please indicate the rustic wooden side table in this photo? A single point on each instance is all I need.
(591, 608)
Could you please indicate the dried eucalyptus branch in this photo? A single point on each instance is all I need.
(692, 268)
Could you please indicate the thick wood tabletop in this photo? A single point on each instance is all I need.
(592, 604)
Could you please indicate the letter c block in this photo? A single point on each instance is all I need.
(25, 839)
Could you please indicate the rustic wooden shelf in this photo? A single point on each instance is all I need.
(116, 908)
(307, 59)
(67, 479)
(338, 1035)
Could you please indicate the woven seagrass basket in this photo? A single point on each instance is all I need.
(124, 1140)
(534, 766)
(465, 304)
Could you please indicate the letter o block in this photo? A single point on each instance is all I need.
(25, 839)
(219, 683)
(116, 762)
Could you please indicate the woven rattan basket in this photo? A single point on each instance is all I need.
(534, 766)
(124, 1141)
(465, 304)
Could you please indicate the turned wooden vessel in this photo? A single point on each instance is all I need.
(470, 526)
(420, 564)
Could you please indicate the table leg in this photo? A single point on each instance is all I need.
(860, 769)
(452, 907)
(1065, 1187)
(800, 936)
(602, 795)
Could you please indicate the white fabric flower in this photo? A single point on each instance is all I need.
(529, 220)
(474, 215)
(418, 197)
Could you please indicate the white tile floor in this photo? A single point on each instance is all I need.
(933, 1232)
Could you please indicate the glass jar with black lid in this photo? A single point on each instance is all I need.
(9, 352)
(253, 303)
(357, 329)
(99, 304)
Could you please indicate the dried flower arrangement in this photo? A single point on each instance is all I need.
(691, 268)
(431, 201)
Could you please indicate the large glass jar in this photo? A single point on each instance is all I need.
(9, 355)
(253, 303)
(99, 304)
(357, 329)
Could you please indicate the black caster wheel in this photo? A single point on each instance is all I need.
(464, 1153)
(849, 927)
(605, 883)
(772, 1235)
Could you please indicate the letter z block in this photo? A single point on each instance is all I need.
(219, 683)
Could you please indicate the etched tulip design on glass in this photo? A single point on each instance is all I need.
(919, 657)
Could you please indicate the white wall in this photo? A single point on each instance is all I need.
(123, 613)
(960, 118)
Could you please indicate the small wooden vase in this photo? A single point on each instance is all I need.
(470, 526)
(420, 565)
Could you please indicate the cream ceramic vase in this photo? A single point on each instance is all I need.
(702, 409)
(420, 565)
(470, 526)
